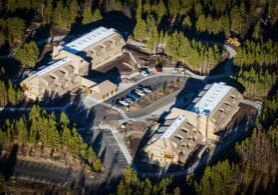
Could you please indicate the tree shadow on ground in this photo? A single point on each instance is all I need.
(8, 163)
(112, 75)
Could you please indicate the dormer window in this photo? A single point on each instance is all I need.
(178, 137)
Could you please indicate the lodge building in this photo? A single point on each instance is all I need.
(71, 62)
(185, 130)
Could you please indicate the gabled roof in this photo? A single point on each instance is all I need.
(105, 87)
(173, 127)
(81, 43)
(49, 68)
(211, 98)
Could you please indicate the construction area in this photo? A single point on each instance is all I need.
(185, 129)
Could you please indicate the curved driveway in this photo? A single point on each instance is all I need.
(159, 79)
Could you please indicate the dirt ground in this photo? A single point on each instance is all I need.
(23, 187)
(133, 141)
(111, 111)
(245, 112)
(133, 133)
(114, 123)
(120, 64)
(146, 59)
(135, 126)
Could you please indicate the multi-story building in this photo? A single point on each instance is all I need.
(174, 139)
(55, 80)
(97, 47)
(72, 61)
(184, 131)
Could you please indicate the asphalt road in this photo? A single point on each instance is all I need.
(93, 117)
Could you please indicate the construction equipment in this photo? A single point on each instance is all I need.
(233, 41)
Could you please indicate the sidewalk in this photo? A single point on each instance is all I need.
(119, 142)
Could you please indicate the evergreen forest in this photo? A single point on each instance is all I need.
(186, 31)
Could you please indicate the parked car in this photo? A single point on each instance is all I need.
(139, 92)
(123, 102)
(129, 100)
(158, 68)
(134, 96)
(145, 73)
(145, 89)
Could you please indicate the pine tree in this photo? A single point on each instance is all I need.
(75, 142)
(64, 121)
(74, 9)
(161, 9)
(174, 7)
(11, 5)
(97, 15)
(87, 16)
(2, 138)
(140, 27)
(12, 96)
(15, 29)
(93, 159)
(116, 4)
(226, 25)
(63, 16)
(34, 116)
(66, 137)
(219, 179)
(201, 23)
(53, 137)
(198, 9)
(22, 131)
(3, 94)
(2, 38)
(28, 54)
(47, 14)
(187, 22)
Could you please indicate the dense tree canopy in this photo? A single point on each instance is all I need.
(217, 180)
(8, 94)
(28, 54)
(257, 82)
(89, 16)
(42, 128)
(198, 56)
(182, 29)
(259, 52)
(11, 29)
(131, 184)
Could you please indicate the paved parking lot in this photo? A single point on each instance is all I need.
(153, 82)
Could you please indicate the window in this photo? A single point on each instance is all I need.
(184, 130)
(221, 110)
(189, 124)
(178, 137)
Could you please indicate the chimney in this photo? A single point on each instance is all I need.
(55, 51)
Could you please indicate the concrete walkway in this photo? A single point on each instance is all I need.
(132, 58)
(119, 141)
